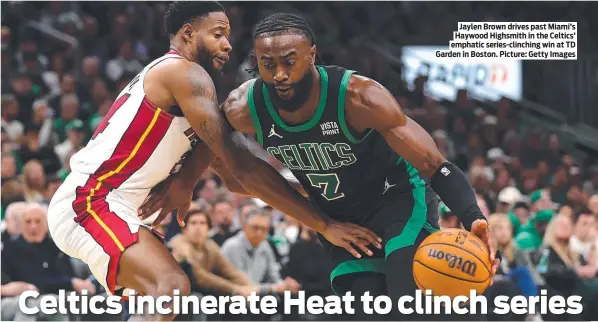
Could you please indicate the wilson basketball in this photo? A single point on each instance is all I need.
(452, 262)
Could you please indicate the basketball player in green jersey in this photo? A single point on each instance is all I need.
(356, 156)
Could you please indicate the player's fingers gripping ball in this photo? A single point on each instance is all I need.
(452, 262)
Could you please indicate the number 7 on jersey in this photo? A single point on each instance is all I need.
(329, 183)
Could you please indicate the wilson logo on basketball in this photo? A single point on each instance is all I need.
(455, 262)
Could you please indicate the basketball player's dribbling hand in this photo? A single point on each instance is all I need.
(171, 194)
(344, 234)
(481, 229)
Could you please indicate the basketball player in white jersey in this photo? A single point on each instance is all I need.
(152, 126)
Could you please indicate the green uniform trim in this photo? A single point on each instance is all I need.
(414, 226)
(417, 220)
(342, 93)
(256, 119)
(429, 228)
(375, 265)
(317, 116)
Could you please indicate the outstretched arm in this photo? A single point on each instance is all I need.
(196, 96)
(370, 105)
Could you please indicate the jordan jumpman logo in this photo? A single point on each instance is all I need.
(387, 186)
(273, 133)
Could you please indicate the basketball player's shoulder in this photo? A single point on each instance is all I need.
(180, 74)
(236, 108)
(369, 103)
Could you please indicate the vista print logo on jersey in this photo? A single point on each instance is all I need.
(329, 128)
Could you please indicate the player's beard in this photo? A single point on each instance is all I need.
(207, 62)
(302, 90)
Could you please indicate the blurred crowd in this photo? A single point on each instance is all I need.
(541, 200)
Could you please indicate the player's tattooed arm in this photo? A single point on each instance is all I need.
(197, 98)
(237, 112)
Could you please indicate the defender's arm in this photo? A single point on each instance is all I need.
(196, 96)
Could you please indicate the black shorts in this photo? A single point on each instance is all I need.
(405, 220)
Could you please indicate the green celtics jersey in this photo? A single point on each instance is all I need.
(349, 176)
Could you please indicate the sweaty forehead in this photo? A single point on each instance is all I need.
(280, 45)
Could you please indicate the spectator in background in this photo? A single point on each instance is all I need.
(99, 94)
(75, 133)
(10, 292)
(530, 235)
(97, 118)
(12, 191)
(42, 119)
(483, 205)
(208, 191)
(582, 241)
(516, 263)
(53, 76)
(12, 220)
(223, 217)
(124, 63)
(91, 43)
(541, 200)
(249, 251)
(312, 274)
(35, 259)
(8, 166)
(444, 144)
(507, 197)
(557, 263)
(34, 179)
(10, 112)
(69, 111)
(52, 185)
(245, 209)
(68, 85)
(66, 169)
(28, 46)
(591, 185)
(519, 216)
(90, 68)
(26, 92)
(200, 257)
(32, 150)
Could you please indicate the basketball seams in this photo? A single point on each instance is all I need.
(447, 275)
(451, 230)
(455, 246)
(420, 285)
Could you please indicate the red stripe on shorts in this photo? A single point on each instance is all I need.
(93, 212)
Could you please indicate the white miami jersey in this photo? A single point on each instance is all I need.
(136, 146)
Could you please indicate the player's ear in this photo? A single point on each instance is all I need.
(187, 33)
(312, 55)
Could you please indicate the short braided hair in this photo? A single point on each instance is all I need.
(282, 24)
(180, 13)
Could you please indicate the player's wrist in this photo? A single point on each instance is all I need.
(325, 223)
(187, 180)
(452, 186)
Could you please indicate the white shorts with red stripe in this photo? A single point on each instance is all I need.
(94, 230)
